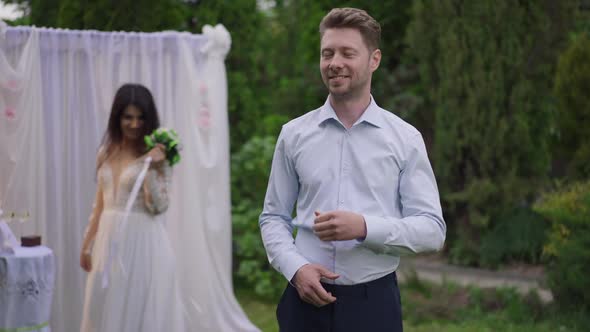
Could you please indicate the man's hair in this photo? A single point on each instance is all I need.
(356, 19)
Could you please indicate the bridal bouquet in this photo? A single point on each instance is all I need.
(168, 138)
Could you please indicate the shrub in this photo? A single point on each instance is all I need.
(568, 245)
(250, 171)
(518, 236)
(489, 81)
(571, 85)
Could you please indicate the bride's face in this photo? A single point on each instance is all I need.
(131, 123)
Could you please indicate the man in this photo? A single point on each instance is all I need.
(365, 194)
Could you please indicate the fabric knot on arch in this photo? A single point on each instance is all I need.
(219, 41)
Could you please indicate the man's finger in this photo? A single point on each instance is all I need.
(314, 299)
(323, 295)
(325, 235)
(311, 297)
(325, 273)
(322, 226)
(323, 217)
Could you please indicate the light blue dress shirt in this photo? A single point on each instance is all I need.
(378, 168)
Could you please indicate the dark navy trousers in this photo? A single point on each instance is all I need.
(374, 306)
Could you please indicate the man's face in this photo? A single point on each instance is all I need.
(346, 64)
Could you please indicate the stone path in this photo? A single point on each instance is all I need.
(433, 269)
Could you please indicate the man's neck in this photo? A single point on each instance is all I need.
(350, 110)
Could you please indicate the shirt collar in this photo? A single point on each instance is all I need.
(370, 115)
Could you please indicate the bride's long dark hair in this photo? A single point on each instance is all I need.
(140, 97)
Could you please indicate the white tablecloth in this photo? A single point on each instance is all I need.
(26, 289)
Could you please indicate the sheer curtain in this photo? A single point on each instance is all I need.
(56, 87)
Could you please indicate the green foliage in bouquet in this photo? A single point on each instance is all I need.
(168, 138)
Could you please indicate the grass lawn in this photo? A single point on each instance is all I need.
(261, 312)
(450, 308)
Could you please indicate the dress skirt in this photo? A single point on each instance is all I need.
(142, 291)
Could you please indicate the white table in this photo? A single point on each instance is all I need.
(26, 289)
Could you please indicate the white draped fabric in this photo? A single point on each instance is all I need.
(56, 87)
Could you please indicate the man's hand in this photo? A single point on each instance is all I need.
(307, 283)
(339, 226)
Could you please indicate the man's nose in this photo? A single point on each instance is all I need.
(336, 62)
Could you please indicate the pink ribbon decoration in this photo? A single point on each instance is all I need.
(204, 120)
(10, 113)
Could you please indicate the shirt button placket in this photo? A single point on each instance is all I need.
(343, 169)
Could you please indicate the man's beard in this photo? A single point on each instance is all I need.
(350, 92)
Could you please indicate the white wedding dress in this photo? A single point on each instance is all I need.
(142, 292)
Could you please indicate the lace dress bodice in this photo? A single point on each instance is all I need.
(115, 196)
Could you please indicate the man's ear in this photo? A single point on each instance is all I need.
(375, 60)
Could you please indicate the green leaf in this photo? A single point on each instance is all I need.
(149, 142)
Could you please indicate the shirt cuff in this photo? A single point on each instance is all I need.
(378, 231)
(289, 264)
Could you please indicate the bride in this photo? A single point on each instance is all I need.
(133, 288)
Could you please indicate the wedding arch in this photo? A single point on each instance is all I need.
(56, 87)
